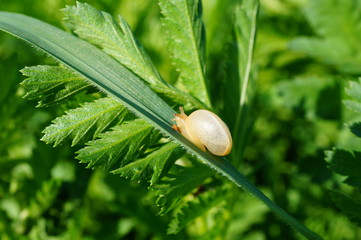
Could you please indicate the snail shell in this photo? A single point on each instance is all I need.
(206, 130)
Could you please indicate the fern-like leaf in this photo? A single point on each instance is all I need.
(123, 143)
(354, 91)
(347, 164)
(350, 207)
(76, 123)
(356, 128)
(337, 42)
(117, 40)
(186, 37)
(154, 165)
(195, 208)
(172, 189)
(51, 84)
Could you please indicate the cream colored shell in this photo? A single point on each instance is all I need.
(206, 130)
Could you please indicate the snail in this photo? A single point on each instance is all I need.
(206, 130)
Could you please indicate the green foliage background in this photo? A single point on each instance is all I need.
(301, 152)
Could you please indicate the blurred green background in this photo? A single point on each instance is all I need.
(46, 194)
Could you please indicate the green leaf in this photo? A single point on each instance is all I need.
(77, 123)
(92, 63)
(117, 40)
(354, 91)
(51, 84)
(245, 31)
(100, 29)
(337, 42)
(356, 128)
(356, 106)
(185, 33)
(350, 207)
(172, 189)
(123, 143)
(117, 81)
(154, 165)
(195, 208)
(347, 164)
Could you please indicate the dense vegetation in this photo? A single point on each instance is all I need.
(283, 75)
